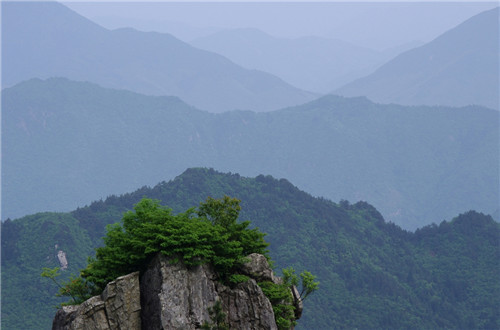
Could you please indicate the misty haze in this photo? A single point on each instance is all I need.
(362, 138)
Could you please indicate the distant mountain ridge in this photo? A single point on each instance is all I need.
(415, 164)
(46, 39)
(311, 63)
(458, 68)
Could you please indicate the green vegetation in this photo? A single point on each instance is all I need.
(77, 288)
(210, 234)
(282, 300)
(373, 274)
(281, 297)
(28, 245)
(307, 282)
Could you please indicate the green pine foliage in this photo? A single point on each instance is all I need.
(211, 235)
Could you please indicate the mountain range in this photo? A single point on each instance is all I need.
(311, 63)
(131, 109)
(372, 273)
(417, 165)
(47, 39)
(458, 68)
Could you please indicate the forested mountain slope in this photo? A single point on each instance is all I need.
(458, 68)
(47, 39)
(372, 273)
(415, 164)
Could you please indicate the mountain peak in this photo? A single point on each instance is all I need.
(458, 68)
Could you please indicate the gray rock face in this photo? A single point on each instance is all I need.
(246, 306)
(258, 268)
(118, 307)
(173, 296)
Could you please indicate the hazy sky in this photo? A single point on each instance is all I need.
(373, 24)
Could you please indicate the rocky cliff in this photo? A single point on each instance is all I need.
(118, 307)
(171, 296)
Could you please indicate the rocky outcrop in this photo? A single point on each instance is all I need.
(172, 296)
(257, 267)
(63, 261)
(175, 297)
(118, 307)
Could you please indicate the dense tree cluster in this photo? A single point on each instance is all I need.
(210, 234)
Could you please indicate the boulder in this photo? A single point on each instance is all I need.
(258, 268)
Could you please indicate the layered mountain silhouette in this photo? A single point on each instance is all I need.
(66, 143)
(458, 68)
(312, 63)
(47, 39)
